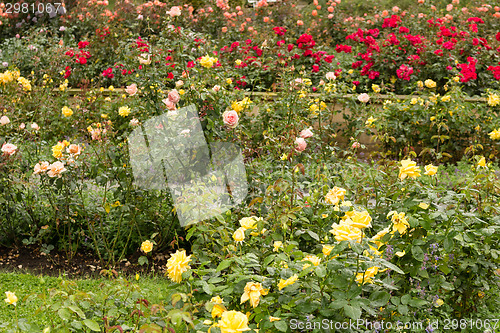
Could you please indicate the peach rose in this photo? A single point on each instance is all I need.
(174, 11)
(74, 149)
(230, 118)
(35, 126)
(173, 96)
(41, 167)
(132, 89)
(170, 105)
(56, 169)
(301, 144)
(9, 149)
(307, 133)
(364, 97)
(4, 120)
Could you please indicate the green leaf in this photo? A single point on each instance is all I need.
(417, 302)
(281, 325)
(92, 325)
(417, 252)
(313, 235)
(405, 299)
(403, 309)
(321, 271)
(448, 244)
(77, 310)
(143, 260)
(224, 264)
(379, 298)
(208, 288)
(64, 314)
(352, 312)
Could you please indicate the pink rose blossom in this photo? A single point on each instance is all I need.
(174, 97)
(230, 118)
(4, 120)
(22, 126)
(9, 149)
(41, 167)
(132, 89)
(170, 105)
(307, 133)
(174, 11)
(35, 126)
(364, 97)
(301, 144)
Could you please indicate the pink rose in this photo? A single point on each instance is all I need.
(356, 145)
(170, 105)
(22, 126)
(330, 76)
(230, 118)
(216, 88)
(132, 89)
(364, 98)
(174, 11)
(449, 7)
(35, 126)
(301, 144)
(9, 149)
(4, 120)
(304, 134)
(174, 96)
(134, 122)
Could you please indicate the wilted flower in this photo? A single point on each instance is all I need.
(252, 292)
(306, 133)
(288, 282)
(145, 59)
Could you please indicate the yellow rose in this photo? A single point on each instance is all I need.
(11, 298)
(495, 134)
(408, 168)
(57, 150)
(233, 322)
(344, 231)
(124, 111)
(207, 61)
(327, 249)
(430, 170)
(146, 246)
(430, 84)
(67, 112)
(335, 195)
(439, 302)
(218, 310)
(178, 264)
(361, 220)
(370, 121)
(376, 88)
(378, 236)
(482, 162)
(420, 84)
(277, 245)
(493, 99)
(400, 253)
(288, 282)
(238, 62)
(399, 221)
(423, 205)
(366, 277)
(271, 319)
(313, 259)
(252, 292)
(446, 98)
(239, 234)
(250, 222)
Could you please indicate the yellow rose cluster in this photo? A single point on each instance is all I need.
(239, 106)
(9, 76)
(350, 226)
(410, 169)
(208, 61)
(247, 223)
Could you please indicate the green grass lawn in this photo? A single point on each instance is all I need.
(33, 291)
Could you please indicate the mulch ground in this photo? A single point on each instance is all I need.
(31, 260)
